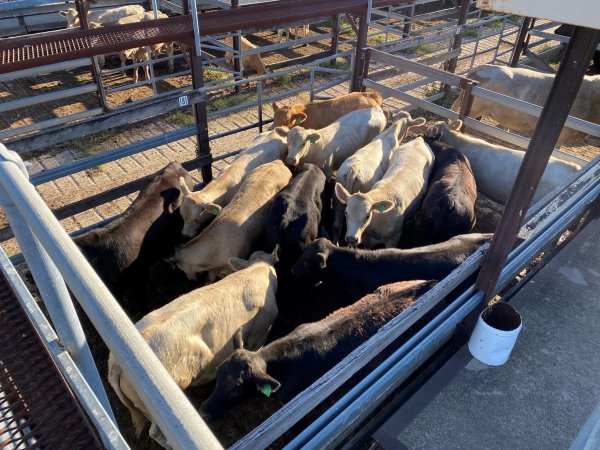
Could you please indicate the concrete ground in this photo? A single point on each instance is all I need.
(547, 391)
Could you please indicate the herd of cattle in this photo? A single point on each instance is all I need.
(322, 197)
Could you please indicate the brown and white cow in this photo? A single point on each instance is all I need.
(533, 87)
(376, 217)
(317, 115)
(198, 208)
(237, 227)
(191, 337)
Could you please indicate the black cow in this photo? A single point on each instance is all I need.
(148, 230)
(449, 205)
(360, 272)
(290, 364)
(567, 30)
(295, 214)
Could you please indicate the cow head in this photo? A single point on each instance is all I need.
(241, 375)
(402, 121)
(438, 130)
(286, 116)
(240, 264)
(359, 212)
(313, 261)
(299, 141)
(195, 212)
(71, 16)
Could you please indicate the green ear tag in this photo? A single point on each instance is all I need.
(298, 120)
(266, 389)
(380, 208)
(214, 211)
(313, 141)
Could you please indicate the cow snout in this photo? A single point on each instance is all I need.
(352, 240)
(292, 161)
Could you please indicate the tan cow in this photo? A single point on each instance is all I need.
(248, 61)
(287, 31)
(376, 217)
(198, 208)
(193, 334)
(532, 87)
(103, 16)
(237, 226)
(317, 115)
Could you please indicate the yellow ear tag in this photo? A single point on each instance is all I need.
(298, 120)
(214, 211)
(266, 389)
(380, 208)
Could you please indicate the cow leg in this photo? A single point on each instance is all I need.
(123, 58)
(170, 50)
(158, 436)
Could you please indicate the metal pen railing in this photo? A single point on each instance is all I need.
(170, 408)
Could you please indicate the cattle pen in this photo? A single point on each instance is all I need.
(416, 54)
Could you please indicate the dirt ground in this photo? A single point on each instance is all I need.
(298, 303)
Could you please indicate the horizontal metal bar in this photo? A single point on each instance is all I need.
(552, 36)
(94, 161)
(11, 132)
(534, 110)
(35, 71)
(415, 67)
(49, 97)
(171, 410)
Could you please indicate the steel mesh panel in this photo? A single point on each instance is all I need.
(37, 408)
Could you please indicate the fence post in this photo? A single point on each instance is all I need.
(522, 41)
(467, 101)
(54, 293)
(359, 60)
(335, 31)
(238, 64)
(560, 100)
(457, 42)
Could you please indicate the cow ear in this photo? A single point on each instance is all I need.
(419, 121)
(266, 384)
(455, 124)
(299, 118)
(341, 193)
(213, 208)
(282, 131)
(184, 187)
(63, 13)
(238, 339)
(238, 263)
(276, 253)
(382, 206)
(313, 138)
(322, 260)
(276, 106)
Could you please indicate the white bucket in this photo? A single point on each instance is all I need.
(495, 334)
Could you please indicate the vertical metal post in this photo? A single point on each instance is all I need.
(56, 296)
(361, 43)
(260, 105)
(335, 31)
(457, 41)
(521, 41)
(82, 10)
(238, 65)
(200, 114)
(560, 100)
(155, 9)
(408, 22)
(467, 102)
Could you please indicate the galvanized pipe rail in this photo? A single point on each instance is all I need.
(172, 411)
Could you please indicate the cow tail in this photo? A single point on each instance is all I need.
(115, 372)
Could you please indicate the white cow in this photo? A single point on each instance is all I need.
(376, 217)
(363, 169)
(329, 147)
(237, 227)
(101, 16)
(495, 167)
(532, 87)
(200, 207)
(280, 32)
(193, 334)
